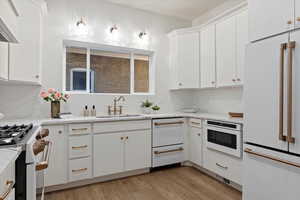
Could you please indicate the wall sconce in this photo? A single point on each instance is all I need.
(113, 28)
(81, 23)
(142, 34)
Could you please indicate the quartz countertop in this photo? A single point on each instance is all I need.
(78, 119)
(7, 156)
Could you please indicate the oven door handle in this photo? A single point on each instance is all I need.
(46, 155)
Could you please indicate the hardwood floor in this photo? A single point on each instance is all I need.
(182, 183)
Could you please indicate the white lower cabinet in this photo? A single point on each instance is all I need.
(56, 173)
(108, 153)
(195, 152)
(80, 169)
(137, 150)
(3, 61)
(119, 152)
(224, 165)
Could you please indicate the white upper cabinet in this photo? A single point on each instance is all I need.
(226, 52)
(297, 14)
(242, 40)
(3, 61)
(271, 17)
(8, 20)
(184, 60)
(208, 57)
(188, 48)
(25, 57)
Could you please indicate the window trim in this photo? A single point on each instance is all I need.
(117, 49)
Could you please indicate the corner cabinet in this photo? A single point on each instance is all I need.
(25, 56)
(185, 60)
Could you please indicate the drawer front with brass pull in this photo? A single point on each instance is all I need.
(80, 169)
(79, 129)
(7, 181)
(167, 155)
(79, 146)
(194, 122)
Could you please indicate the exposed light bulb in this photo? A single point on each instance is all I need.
(113, 28)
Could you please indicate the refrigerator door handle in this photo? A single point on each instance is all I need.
(290, 138)
(283, 47)
(250, 151)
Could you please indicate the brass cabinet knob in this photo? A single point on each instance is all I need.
(59, 132)
(37, 76)
(199, 134)
(180, 84)
(127, 138)
(233, 80)
(212, 82)
(238, 79)
(122, 138)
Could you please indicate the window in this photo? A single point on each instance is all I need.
(108, 70)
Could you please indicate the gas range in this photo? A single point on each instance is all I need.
(15, 134)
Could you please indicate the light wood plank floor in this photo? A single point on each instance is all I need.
(182, 183)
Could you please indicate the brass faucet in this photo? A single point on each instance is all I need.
(115, 110)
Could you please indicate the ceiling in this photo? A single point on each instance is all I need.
(185, 9)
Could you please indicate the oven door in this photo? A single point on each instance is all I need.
(224, 140)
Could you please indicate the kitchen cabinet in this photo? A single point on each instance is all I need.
(188, 58)
(9, 18)
(25, 56)
(208, 57)
(231, 40)
(242, 40)
(137, 150)
(56, 173)
(108, 154)
(184, 60)
(279, 17)
(3, 61)
(226, 52)
(119, 152)
(196, 140)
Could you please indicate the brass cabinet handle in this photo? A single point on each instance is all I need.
(79, 129)
(219, 165)
(197, 123)
(79, 170)
(46, 156)
(10, 185)
(80, 147)
(250, 151)
(290, 138)
(168, 151)
(167, 123)
(281, 91)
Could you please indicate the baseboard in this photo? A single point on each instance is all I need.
(213, 175)
(96, 180)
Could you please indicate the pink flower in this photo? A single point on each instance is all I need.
(57, 95)
(44, 94)
(51, 90)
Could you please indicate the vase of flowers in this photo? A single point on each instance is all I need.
(55, 97)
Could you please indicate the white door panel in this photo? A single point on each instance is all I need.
(208, 57)
(196, 145)
(269, 17)
(295, 148)
(226, 52)
(261, 92)
(267, 179)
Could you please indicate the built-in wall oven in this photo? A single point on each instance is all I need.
(225, 137)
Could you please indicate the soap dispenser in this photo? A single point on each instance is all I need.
(93, 111)
(85, 111)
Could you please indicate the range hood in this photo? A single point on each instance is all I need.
(5, 34)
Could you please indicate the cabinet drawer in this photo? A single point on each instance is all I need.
(167, 155)
(79, 129)
(194, 122)
(80, 169)
(7, 177)
(79, 146)
(224, 165)
(107, 127)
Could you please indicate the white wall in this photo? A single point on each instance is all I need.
(23, 101)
